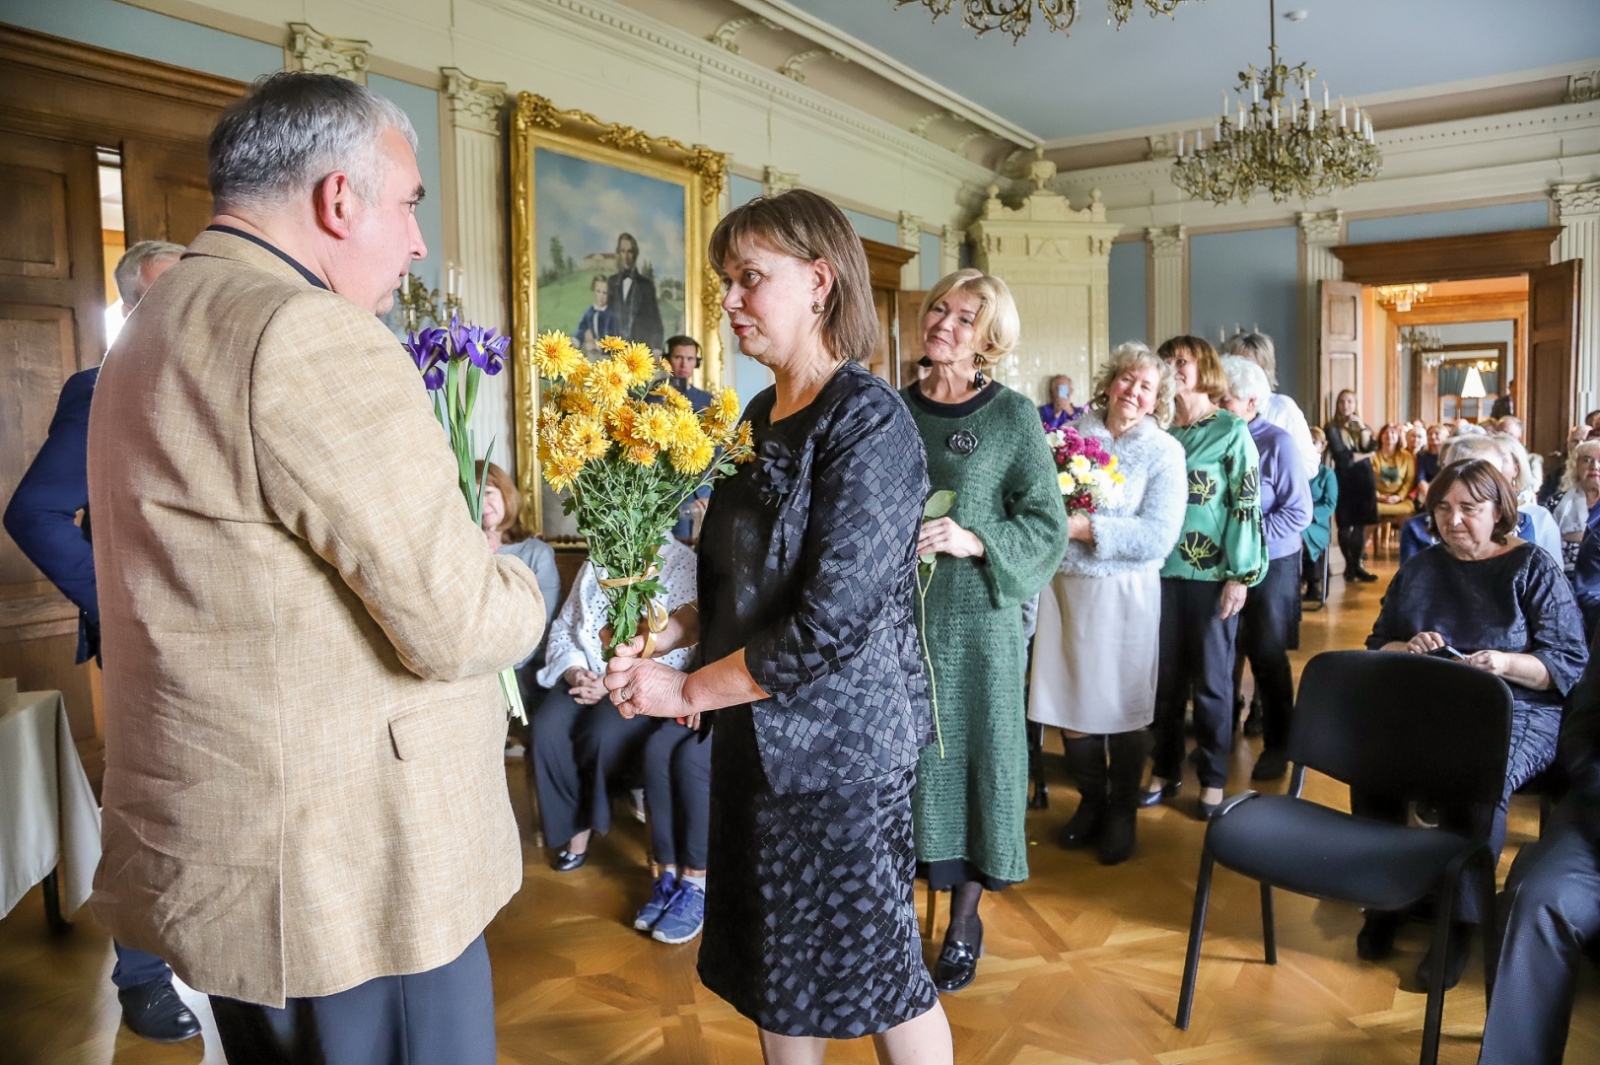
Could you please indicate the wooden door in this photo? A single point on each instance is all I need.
(166, 195)
(910, 334)
(52, 300)
(1552, 354)
(1340, 359)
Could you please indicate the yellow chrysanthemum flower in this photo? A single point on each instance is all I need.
(606, 384)
(673, 398)
(725, 407)
(554, 355)
(686, 429)
(694, 456)
(656, 425)
(585, 437)
(613, 345)
(562, 470)
(641, 455)
(744, 443)
(637, 360)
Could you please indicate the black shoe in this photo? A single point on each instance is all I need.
(1312, 595)
(1126, 752)
(564, 861)
(1117, 835)
(1364, 577)
(958, 961)
(1457, 951)
(1256, 723)
(1169, 790)
(1208, 809)
(1375, 941)
(154, 1011)
(1086, 762)
(1270, 766)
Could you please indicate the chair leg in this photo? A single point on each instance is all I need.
(1269, 932)
(1197, 932)
(1491, 926)
(1433, 1018)
(51, 886)
(933, 909)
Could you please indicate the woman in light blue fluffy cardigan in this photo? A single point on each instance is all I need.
(1098, 639)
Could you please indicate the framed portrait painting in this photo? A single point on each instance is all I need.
(609, 228)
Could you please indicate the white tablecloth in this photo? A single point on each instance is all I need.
(48, 816)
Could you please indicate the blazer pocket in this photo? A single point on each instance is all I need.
(424, 732)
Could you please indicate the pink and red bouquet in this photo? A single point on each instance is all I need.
(1086, 473)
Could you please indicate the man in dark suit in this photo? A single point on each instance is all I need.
(41, 518)
(683, 358)
(1551, 904)
(632, 297)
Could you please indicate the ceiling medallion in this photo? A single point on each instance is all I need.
(1016, 16)
(1401, 297)
(1280, 144)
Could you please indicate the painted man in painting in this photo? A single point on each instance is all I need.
(632, 297)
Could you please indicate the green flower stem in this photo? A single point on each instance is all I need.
(922, 635)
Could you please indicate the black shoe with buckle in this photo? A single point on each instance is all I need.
(958, 961)
(154, 1011)
(1169, 790)
(565, 861)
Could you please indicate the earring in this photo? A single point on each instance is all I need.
(816, 308)
(979, 381)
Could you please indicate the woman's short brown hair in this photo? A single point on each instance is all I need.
(1209, 377)
(809, 227)
(510, 528)
(1485, 483)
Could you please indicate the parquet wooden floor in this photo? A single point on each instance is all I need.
(1082, 963)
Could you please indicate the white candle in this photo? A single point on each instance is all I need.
(1342, 123)
(1255, 89)
(1241, 115)
(1180, 146)
(1274, 114)
(1324, 96)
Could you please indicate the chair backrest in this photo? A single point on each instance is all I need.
(1402, 724)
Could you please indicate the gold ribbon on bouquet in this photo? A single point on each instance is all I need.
(655, 614)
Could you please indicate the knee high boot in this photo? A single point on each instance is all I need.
(1086, 761)
(1128, 751)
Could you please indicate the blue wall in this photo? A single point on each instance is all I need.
(928, 255)
(1248, 279)
(135, 31)
(422, 107)
(741, 190)
(1127, 291)
(1503, 216)
(879, 229)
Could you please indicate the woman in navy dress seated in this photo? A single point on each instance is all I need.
(1503, 603)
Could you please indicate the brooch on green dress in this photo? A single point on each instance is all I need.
(962, 442)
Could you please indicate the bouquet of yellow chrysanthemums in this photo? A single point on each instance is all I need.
(629, 455)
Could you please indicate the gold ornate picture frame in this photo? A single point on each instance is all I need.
(610, 159)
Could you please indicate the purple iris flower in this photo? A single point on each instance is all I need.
(429, 351)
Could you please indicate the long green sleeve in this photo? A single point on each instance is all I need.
(1222, 538)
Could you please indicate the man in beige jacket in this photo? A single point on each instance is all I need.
(305, 805)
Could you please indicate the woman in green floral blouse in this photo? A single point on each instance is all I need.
(1220, 553)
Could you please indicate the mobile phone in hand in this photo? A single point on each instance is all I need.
(1448, 653)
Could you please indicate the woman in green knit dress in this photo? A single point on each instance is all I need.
(1000, 543)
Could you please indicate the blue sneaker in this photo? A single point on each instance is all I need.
(660, 897)
(685, 916)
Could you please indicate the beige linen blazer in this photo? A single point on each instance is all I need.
(305, 785)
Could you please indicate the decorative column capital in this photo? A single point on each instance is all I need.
(1166, 242)
(317, 53)
(1582, 87)
(1321, 227)
(910, 230)
(1579, 199)
(474, 104)
(949, 249)
(774, 182)
(794, 66)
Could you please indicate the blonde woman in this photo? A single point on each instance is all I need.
(998, 546)
(1104, 605)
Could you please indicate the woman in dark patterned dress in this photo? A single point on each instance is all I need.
(807, 577)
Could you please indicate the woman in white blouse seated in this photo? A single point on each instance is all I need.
(580, 742)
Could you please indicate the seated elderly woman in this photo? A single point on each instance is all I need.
(1577, 506)
(1534, 523)
(1502, 605)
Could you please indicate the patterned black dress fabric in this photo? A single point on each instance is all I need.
(807, 561)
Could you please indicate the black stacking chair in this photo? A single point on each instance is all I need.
(1431, 730)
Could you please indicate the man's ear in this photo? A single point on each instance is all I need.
(333, 201)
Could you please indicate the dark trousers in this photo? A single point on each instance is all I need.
(1196, 655)
(1533, 748)
(1266, 632)
(442, 1015)
(578, 753)
(1311, 569)
(1352, 542)
(677, 785)
(1552, 907)
(135, 967)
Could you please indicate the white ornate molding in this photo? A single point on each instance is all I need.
(1319, 232)
(1583, 87)
(727, 34)
(1169, 281)
(911, 239)
(920, 126)
(317, 53)
(1162, 146)
(474, 104)
(774, 182)
(794, 66)
(949, 250)
(1579, 206)
(1321, 227)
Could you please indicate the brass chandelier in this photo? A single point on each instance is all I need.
(1281, 144)
(1016, 16)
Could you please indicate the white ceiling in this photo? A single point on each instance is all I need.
(1156, 71)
